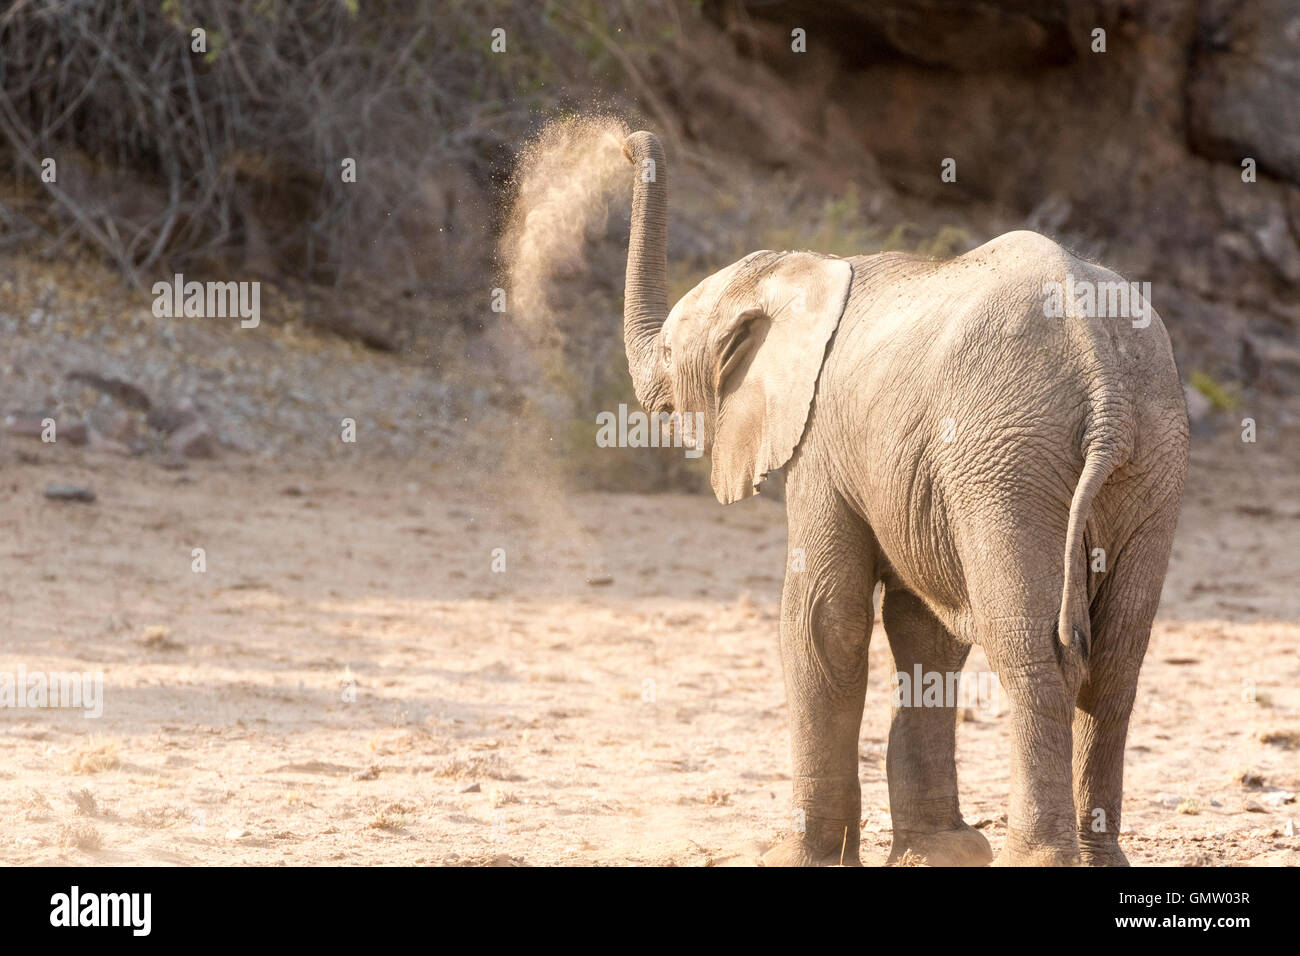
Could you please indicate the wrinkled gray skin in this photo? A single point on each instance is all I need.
(943, 436)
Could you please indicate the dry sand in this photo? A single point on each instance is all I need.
(350, 682)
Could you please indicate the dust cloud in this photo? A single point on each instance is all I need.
(564, 256)
(564, 275)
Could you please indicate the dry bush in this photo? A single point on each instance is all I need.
(169, 158)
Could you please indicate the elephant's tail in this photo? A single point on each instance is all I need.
(1101, 457)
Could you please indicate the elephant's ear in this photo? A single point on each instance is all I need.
(769, 354)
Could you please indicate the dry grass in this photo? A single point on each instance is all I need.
(95, 757)
(910, 859)
(459, 767)
(1286, 739)
(393, 817)
(1248, 778)
(158, 638)
(84, 801)
(80, 836)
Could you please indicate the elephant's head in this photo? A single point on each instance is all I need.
(743, 349)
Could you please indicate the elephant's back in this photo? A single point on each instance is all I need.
(964, 359)
(1008, 308)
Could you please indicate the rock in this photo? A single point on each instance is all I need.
(1198, 406)
(120, 390)
(25, 424)
(1199, 411)
(78, 433)
(1243, 70)
(962, 35)
(173, 417)
(194, 440)
(32, 425)
(70, 493)
(472, 788)
(100, 442)
(1271, 363)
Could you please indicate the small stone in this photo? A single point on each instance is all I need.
(99, 442)
(172, 417)
(600, 580)
(70, 493)
(194, 440)
(472, 788)
(22, 425)
(78, 433)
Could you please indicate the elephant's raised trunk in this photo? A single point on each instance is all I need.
(645, 303)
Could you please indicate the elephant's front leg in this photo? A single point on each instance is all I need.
(826, 617)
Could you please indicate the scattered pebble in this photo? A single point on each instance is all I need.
(70, 493)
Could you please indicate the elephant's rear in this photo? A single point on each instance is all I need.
(1029, 427)
(1134, 441)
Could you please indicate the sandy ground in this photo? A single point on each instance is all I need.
(351, 682)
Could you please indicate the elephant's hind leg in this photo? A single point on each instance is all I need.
(921, 760)
(1122, 613)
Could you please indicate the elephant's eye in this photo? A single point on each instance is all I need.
(668, 354)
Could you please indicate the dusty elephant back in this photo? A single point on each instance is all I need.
(958, 392)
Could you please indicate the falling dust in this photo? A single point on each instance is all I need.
(567, 181)
(571, 193)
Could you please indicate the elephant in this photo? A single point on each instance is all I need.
(1010, 477)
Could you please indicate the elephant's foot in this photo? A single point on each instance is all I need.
(963, 846)
(1019, 851)
(1101, 853)
(798, 850)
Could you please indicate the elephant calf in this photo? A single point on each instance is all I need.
(944, 432)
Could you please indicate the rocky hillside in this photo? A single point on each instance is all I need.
(1133, 155)
(1161, 137)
